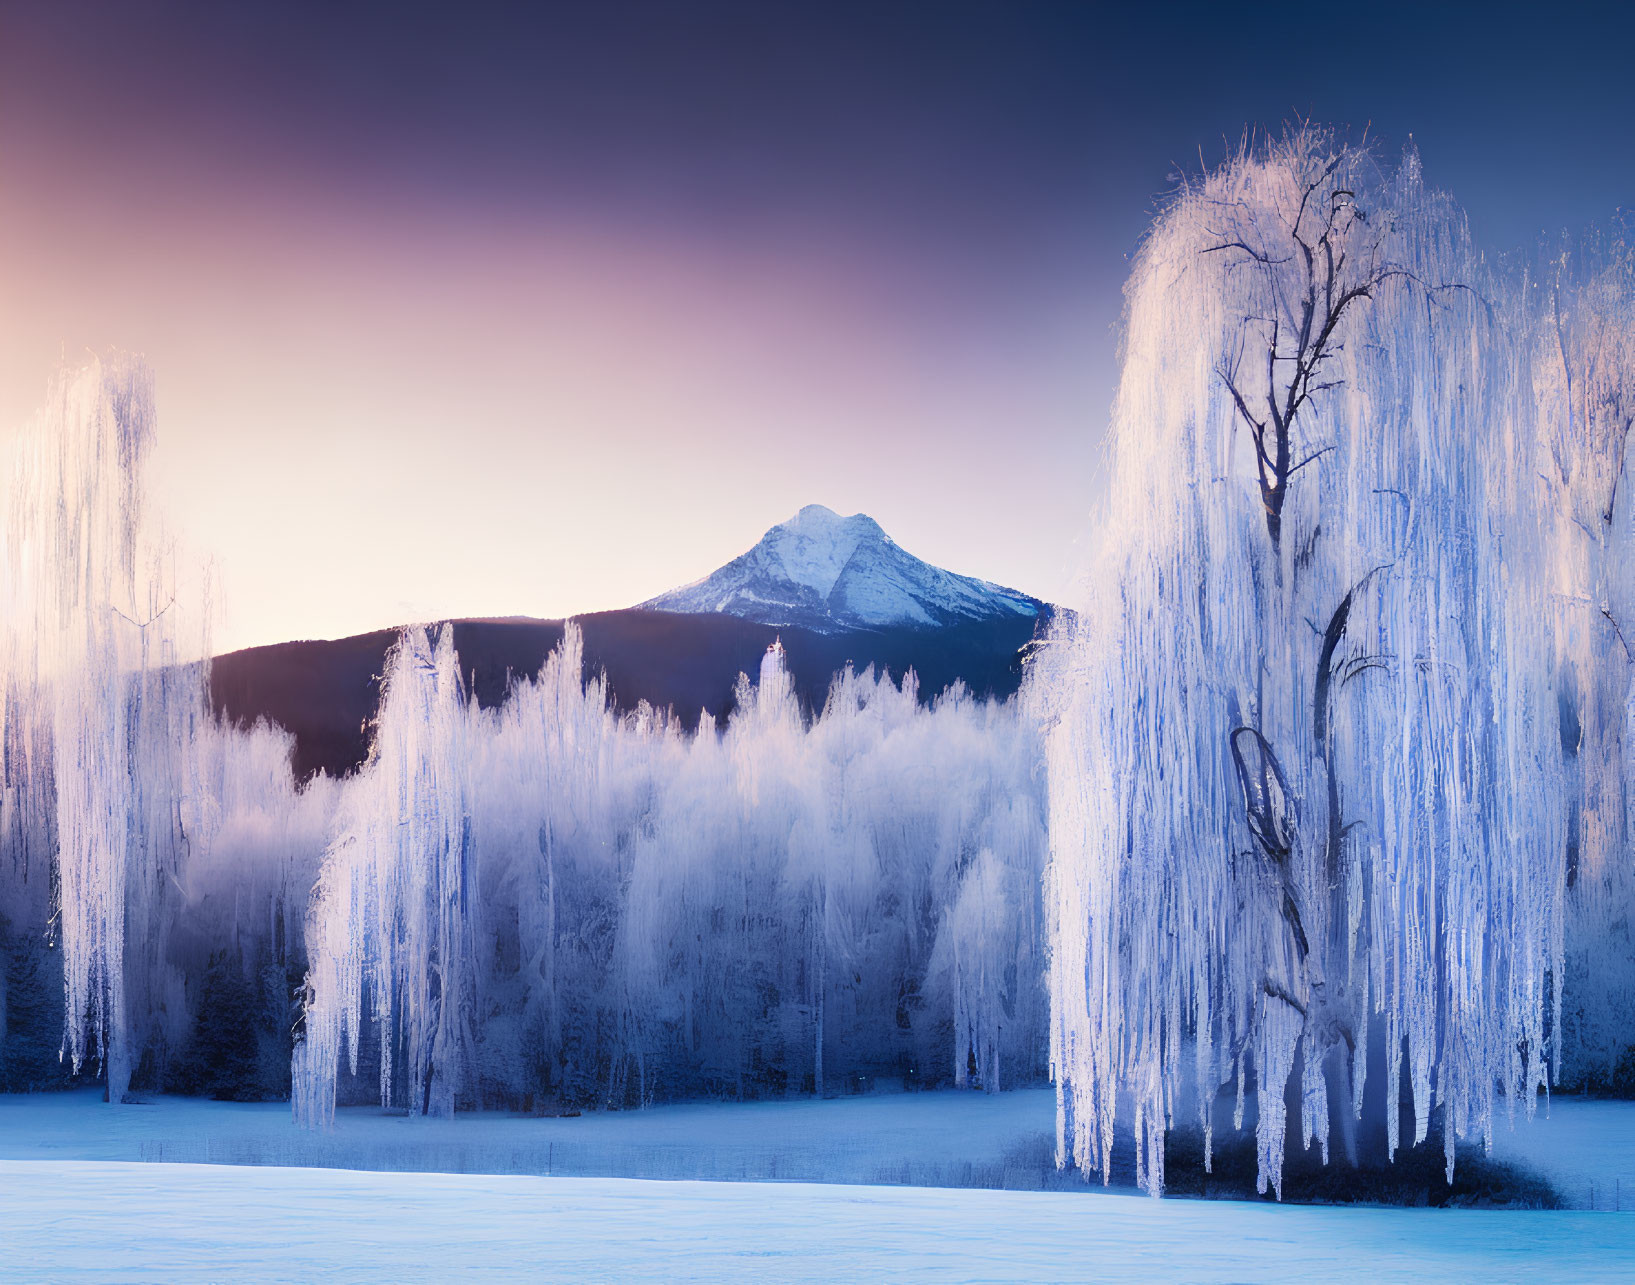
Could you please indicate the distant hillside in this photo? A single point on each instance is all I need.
(327, 692)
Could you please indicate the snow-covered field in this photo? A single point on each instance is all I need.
(112, 1221)
(924, 1139)
(76, 1205)
(1587, 1149)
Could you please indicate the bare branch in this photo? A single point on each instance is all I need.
(1613, 621)
(1256, 255)
(1315, 455)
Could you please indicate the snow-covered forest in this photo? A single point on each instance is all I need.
(542, 903)
(1314, 815)
(548, 899)
(1338, 737)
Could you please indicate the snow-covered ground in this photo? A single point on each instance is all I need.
(1585, 1148)
(74, 1206)
(74, 1221)
(924, 1139)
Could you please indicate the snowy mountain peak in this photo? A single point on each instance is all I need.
(825, 572)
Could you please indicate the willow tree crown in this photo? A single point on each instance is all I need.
(1308, 783)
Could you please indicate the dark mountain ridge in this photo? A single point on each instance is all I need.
(327, 692)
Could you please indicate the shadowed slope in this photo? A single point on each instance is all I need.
(326, 692)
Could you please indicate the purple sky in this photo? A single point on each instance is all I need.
(544, 309)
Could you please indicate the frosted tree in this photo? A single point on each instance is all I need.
(1306, 782)
(561, 786)
(255, 841)
(978, 947)
(137, 830)
(1581, 331)
(100, 712)
(784, 786)
(685, 914)
(394, 916)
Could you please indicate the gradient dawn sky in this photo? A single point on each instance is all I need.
(543, 309)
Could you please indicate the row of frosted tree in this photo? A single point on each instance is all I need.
(1339, 739)
(547, 902)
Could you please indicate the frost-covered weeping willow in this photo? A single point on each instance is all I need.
(1311, 782)
(397, 900)
(95, 706)
(549, 901)
(128, 818)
